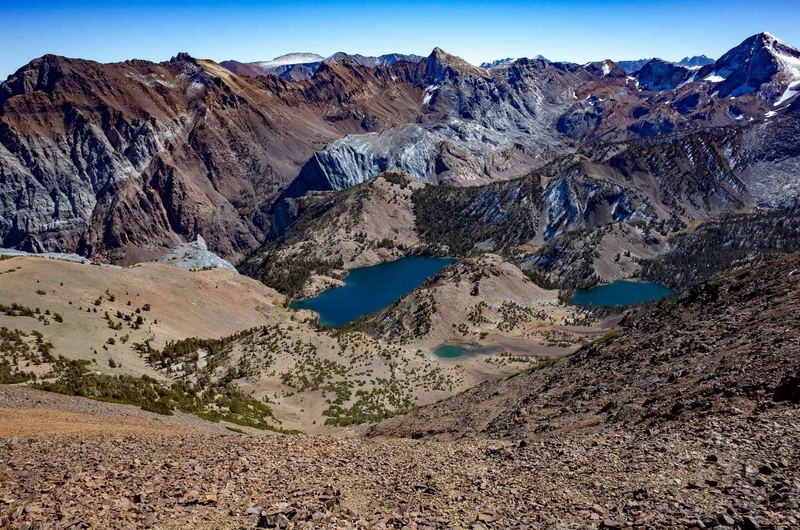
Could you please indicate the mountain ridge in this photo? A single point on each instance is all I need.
(185, 147)
(302, 66)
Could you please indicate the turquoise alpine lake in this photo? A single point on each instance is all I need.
(621, 292)
(448, 351)
(371, 289)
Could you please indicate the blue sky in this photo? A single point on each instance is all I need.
(578, 31)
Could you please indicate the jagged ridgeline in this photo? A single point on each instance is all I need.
(132, 158)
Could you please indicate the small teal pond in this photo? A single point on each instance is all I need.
(371, 289)
(621, 292)
(448, 351)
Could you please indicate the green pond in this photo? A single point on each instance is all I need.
(371, 289)
(621, 292)
(448, 351)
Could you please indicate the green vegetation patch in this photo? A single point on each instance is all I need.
(215, 402)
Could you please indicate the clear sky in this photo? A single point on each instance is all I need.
(476, 30)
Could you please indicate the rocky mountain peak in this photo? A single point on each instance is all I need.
(658, 74)
(498, 62)
(373, 61)
(695, 61)
(41, 74)
(439, 63)
(758, 60)
(604, 69)
(183, 57)
(512, 60)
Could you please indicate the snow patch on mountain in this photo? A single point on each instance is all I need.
(292, 58)
(791, 91)
(429, 93)
(194, 256)
(498, 62)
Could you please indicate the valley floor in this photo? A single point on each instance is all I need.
(74, 463)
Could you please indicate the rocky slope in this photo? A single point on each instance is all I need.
(762, 64)
(723, 243)
(659, 75)
(194, 256)
(677, 422)
(584, 258)
(175, 338)
(617, 202)
(328, 233)
(106, 311)
(485, 120)
(723, 348)
(731, 473)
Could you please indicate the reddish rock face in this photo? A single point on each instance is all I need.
(122, 160)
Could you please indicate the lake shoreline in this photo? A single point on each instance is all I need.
(624, 292)
(367, 290)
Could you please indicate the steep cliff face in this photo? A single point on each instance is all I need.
(121, 161)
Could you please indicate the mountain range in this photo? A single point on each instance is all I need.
(123, 161)
(299, 66)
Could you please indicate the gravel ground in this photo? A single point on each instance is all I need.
(733, 471)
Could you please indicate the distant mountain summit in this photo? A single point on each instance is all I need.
(761, 64)
(498, 62)
(300, 66)
(633, 66)
(373, 61)
(291, 66)
(122, 161)
(508, 60)
(292, 58)
(660, 75)
(695, 61)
